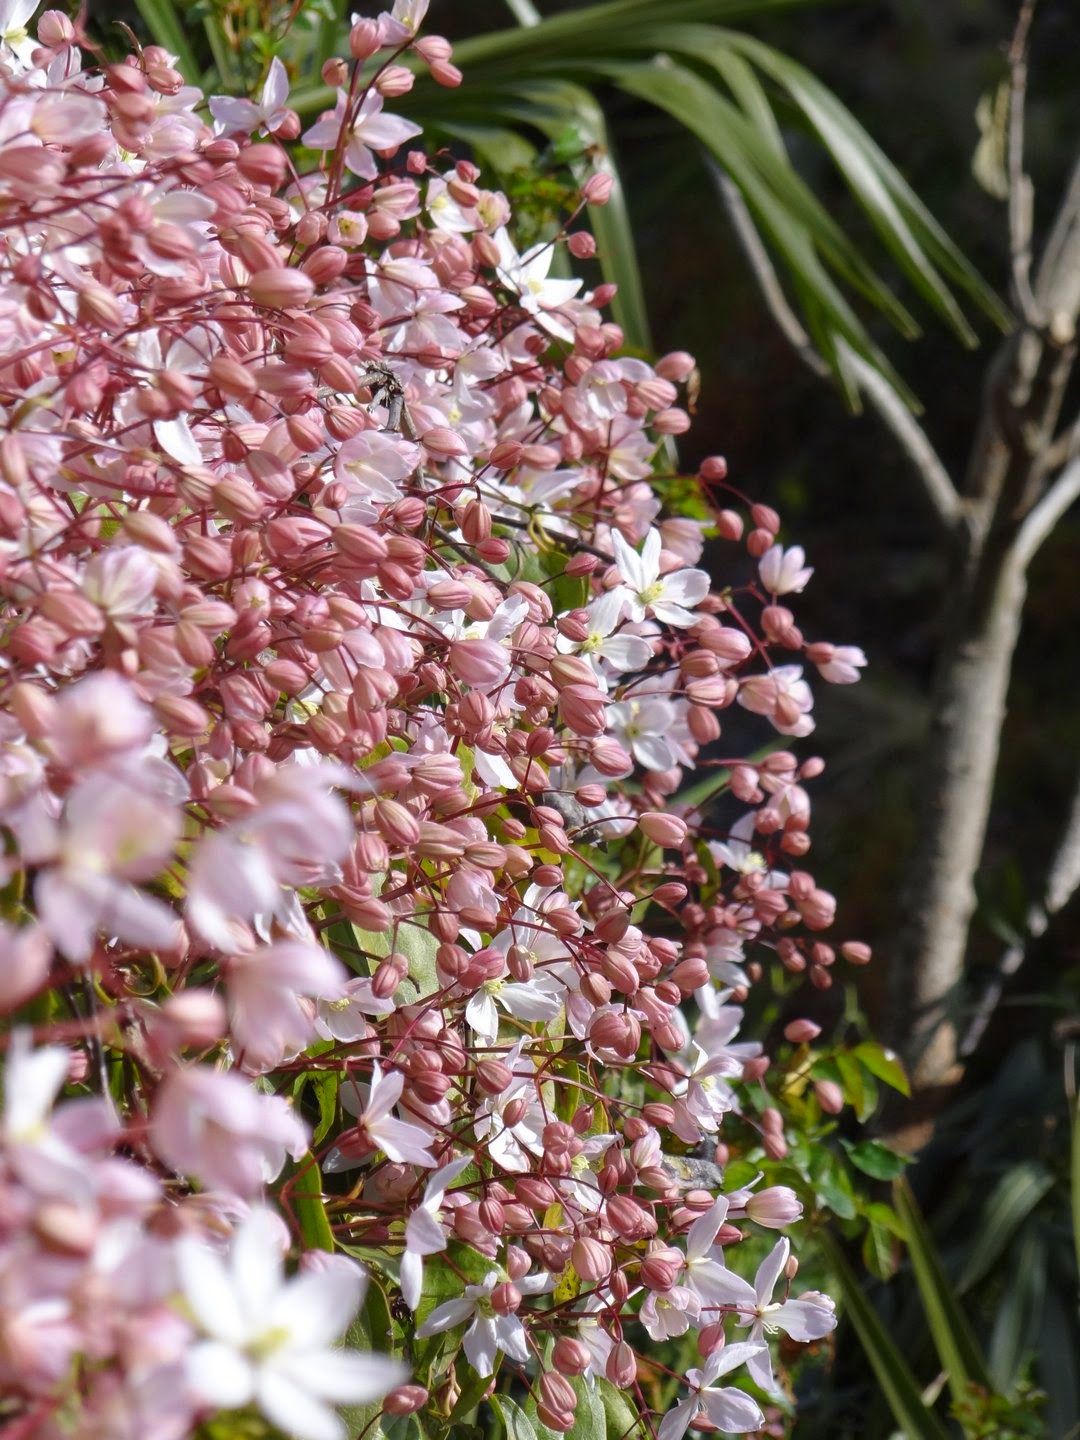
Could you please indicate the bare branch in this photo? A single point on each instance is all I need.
(1061, 883)
(1057, 279)
(1021, 194)
(1041, 520)
(913, 439)
(1063, 448)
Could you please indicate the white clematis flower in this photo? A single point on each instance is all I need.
(727, 1408)
(668, 596)
(271, 1341)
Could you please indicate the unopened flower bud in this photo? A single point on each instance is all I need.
(774, 1207)
(405, 1400)
(829, 1096)
(591, 1259)
(621, 1367)
(570, 1356)
(665, 830)
(597, 189)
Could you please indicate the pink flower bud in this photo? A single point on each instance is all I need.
(666, 830)
(479, 662)
(591, 1259)
(621, 1367)
(281, 288)
(570, 1356)
(597, 189)
(583, 709)
(556, 1392)
(363, 43)
(394, 81)
(406, 1399)
(505, 1298)
(506, 455)
(628, 1219)
(829, 1096)
(442, 443)
(801, 1032)
(581, 245)
(25, 958)
(774, 1207)
(493, 1077)
(855, 952)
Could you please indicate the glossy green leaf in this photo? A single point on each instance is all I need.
(953, 1338)
(879, 1252)
(517, 1424)
(621, 1420)
(898, 1384)
(832, 1183)
(875, 1159)
(883, 1063)
(309, 1207)
(1009, 1204)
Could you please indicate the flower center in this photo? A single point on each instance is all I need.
(264, 1345)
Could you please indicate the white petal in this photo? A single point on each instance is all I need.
(255, 1263)
(294, 1410)
(480, 1346)
(445, 1317)
(732, 1410)
(702, 1232)
(344, 1376)
(675, 1422)
(318, 1306)
(176, 439)
(769, 1270)
(219, 1374)
(208, 1290)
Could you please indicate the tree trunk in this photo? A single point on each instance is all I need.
(957, 787)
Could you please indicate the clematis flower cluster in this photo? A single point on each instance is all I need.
(359, 934)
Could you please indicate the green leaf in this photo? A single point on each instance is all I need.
(882, 192)
(898, 1384)
(621, 1420)
(883, 1063)
(953, 1338)
(517, 1424)
(1017, 1322)
(371, 1330)
(879, 1252)
(862, 1097)
(310, 1210)
(1010, 1203)
(832, 1183)
(875, 1159)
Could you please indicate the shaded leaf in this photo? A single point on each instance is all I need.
(1010, 1203)
(875, 1159)
(898, 1384)
(952, 1334)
